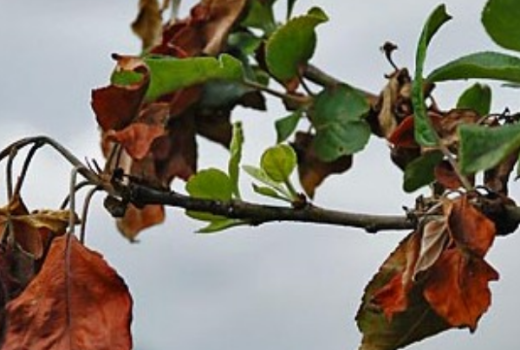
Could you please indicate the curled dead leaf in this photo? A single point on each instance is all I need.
(148, 23)
(116, 106)
(32, 231)
(311, 169)
(434, 239)
(136, 138)
(137, 219)
(394, 104)
(204, 32)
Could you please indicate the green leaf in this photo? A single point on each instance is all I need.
(420, 172)
(260, 175)
(236, 155)
(424, 132)
(279, 162)
(484, 147)
(293, 44)
(477, 97)
(210, 184)
(501, 18)
(286, 126)
(222, 224)
(246, 42)
(125, 78)
(480, 65)
(269, 192)
(169, 74)
(339, 118)
(260, 16)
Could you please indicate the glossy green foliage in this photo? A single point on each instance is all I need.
(484, 147)
(279, 162)
(293, 44)
(339, 118)
(169, 74)
(286, 126)
(501, 18)
(481, 65)
(424, 133)
(260, 15)
(420, 172)
(210, 184)
(477, 97)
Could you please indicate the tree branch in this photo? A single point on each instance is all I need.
(258, 214)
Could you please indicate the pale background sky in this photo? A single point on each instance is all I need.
(278, 286)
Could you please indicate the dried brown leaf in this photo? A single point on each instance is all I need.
(137, 138)
(137, 219)
(32, 231)
(434, 239)
(116, 106)
(457, 288)
(393, 104)
(312, 170)
(76, 301)
(222, 17)
(393, 312)
(175, 154)
(204, 32)
(148, 23)
(470, 229)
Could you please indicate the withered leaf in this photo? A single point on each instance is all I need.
(137, 219)
(117, 105)
(148, 23)
(311, 169)
(434, 239)
(457, 288)
(447, 177)
(17, 269)
(222, 15)
(76, 301)
(175, 154)
(471, 229)
(393, 312)
(136, 138)
(447, 124)
(496, 178)
(403, 135)
(204, 32)
(32, 231)
(393, 103)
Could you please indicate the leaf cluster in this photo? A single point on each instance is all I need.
(190, 78)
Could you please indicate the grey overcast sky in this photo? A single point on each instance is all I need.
(279, 286)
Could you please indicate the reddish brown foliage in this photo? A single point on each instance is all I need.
(75, 302)
(444, 258)
(311, 169)
(159, 137)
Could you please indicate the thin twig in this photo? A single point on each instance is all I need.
(25, 167)
(84, 214)
(9, 173)
(281, 95)
(72, 201)
(319, 77)
(78, 187)
(84, 171)
(259, 214)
